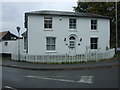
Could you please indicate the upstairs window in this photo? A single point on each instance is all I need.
(94, 43)
(93, 24)
(72, 23)
(50, 43)
(48, 23)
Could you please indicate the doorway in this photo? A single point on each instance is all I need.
(72, 45)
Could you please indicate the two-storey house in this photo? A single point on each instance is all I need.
(60, 32)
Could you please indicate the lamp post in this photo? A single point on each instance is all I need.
(116, 27)
(18, 29)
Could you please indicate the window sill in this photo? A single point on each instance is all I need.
(48, 29)
(72, 30)
(51, 51)
(94, 30)
(93, 50)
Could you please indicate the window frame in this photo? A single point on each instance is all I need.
(94, 25)
(49, 24)
(72, 24)
(25, 43)
(5, 43)
(51, 45)
(94, 44)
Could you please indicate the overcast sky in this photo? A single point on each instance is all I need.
(13, 12)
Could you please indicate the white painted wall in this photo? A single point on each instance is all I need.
(11, 47)
(37, 35)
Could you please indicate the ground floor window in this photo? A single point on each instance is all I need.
(50, 43)
(94, 43)
(6, 43)
(25, 43)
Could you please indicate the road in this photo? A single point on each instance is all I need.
(22, 78)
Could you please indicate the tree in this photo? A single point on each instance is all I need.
(102, 8)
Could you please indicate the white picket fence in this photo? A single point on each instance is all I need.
(91, 56)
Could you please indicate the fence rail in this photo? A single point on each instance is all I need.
(91, 56)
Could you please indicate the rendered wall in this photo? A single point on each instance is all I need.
(37, 34)
(12, 46)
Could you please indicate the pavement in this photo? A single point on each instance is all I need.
(81, 66)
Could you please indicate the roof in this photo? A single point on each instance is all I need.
(65, 13)
(6, 35)
(2, 34)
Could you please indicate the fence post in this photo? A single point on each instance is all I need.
(86, 54)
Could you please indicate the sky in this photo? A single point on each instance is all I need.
(13, 12)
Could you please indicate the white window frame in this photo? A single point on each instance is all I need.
(96, 43)
(72, 24)
(48, 23)
(94, 25)
(51, 44)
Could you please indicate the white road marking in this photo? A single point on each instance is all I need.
(86, 79)
(50, 78)
(10, 87)
(83, 79)
(56, 76)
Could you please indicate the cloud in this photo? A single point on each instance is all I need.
(39, 0)
(13, 12)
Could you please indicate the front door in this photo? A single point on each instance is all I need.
(72, 45)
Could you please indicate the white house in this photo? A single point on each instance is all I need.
(58, 32)
(65, 33)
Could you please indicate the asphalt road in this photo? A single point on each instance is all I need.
(21, 78)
